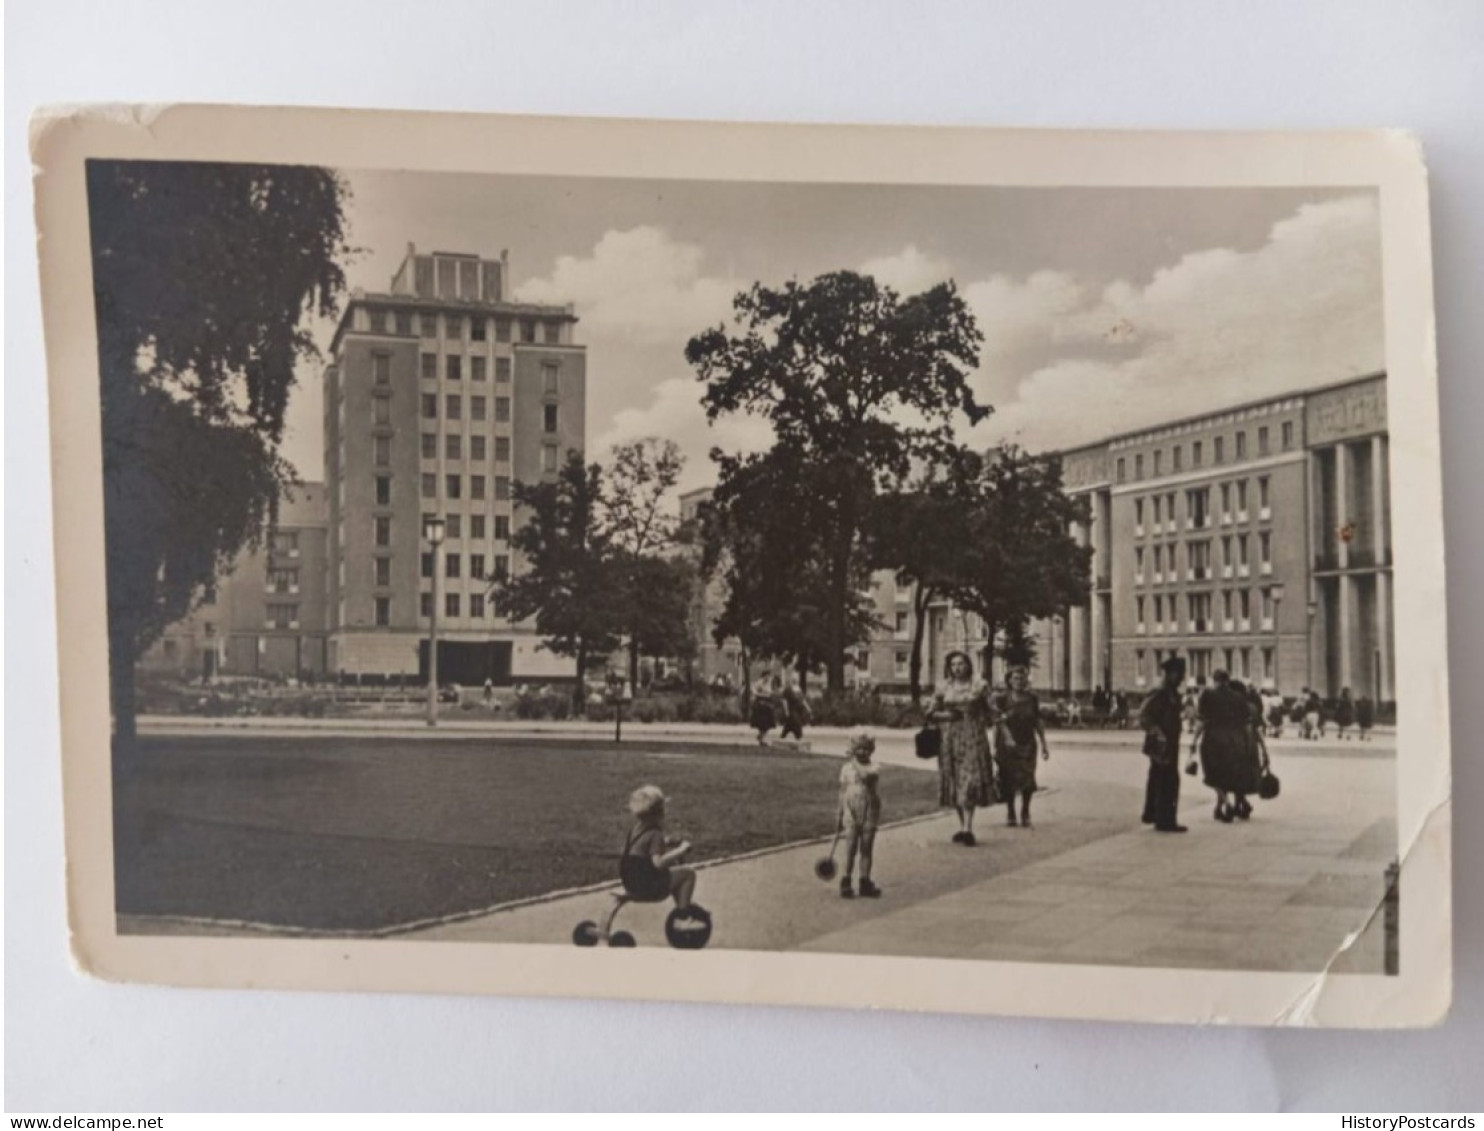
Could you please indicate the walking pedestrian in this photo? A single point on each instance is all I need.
(1313, 716)
(764, 714)
(1223, 739)
(1162, 720)
(860, 813)
(1365, 716)
(1018, 729)
(1344, 713)
(965, 773)
(795, 711)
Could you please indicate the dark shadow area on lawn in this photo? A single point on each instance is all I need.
(337, 834)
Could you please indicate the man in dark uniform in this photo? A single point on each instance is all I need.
(1161, 719)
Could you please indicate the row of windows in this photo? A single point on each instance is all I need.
(1234, 497)
(1235, 553)
(454, 326)
(453, 447)
(1198, 452)
(453, 368)
(1236, 606)
(479, 607)
(453, 408)
(453, 486)
(453, 527)
(453, 565)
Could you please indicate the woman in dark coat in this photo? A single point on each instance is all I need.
(1223, 738)
(1018, 733)
(1344, 712)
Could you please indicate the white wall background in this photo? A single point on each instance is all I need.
(76, 1044)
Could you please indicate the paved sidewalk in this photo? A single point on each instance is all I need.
(1296, 889)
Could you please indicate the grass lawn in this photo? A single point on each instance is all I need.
(359, 834)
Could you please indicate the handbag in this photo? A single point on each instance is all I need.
(1192, 767)
(929, 742)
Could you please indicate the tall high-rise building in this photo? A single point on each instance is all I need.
(440, 394)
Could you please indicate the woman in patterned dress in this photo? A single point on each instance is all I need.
(1018, 732)
(965, 773)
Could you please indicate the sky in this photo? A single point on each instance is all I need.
(1103, 310)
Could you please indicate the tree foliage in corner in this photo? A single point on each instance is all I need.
(858, 383)
(203, 275)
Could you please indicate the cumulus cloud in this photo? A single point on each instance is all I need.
(910, 271)
(639, 284)
(1216, 328)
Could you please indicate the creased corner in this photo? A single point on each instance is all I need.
(48, 122)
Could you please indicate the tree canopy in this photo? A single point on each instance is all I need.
(203, 278)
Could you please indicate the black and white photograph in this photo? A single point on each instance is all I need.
(960, 589)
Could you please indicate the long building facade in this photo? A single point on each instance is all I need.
(441, 393)
(1255, 540)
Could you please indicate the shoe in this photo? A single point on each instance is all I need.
(1025, 821)
(1244, 810)
(958, 837)
(1147, 818)
(846, 890)
(1224, 814)
(1010, 820)
(1170, 829)
(968, 841)
(870, 890)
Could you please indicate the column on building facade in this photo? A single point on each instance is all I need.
(1379, 502)
(1345, 593)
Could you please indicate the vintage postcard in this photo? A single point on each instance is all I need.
(944, 569)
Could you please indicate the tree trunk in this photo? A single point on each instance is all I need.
(746, 682)
(921, 597)
(634, 662)
(834, 660)
(990, 631)
(579, 695)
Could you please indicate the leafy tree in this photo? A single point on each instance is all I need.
(919, 535)
(857, 383)
(660, 594)
(203, 275)
(1020, 559)
(568, 576)
(641, 522)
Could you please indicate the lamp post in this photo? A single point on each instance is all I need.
(1275, 591)
(433, 532)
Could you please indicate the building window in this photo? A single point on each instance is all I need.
(476, 527)
(476, 605)
(383, 530)
(502, 567)
(1226, 550)
(1139, 605)
(553, 333)
(1139, 466)
(426, 565)
(378, 321)
(1244, 603)
(427, 325)
(1226, 605)
(429, 368)
(549, 418)
(502, 370)
(453, 526)
(1197, 503)
(451, 604)
(425, 604)
(548, 458)
(1159, 609)
(453, 444)
(478, 368)
(1157, 509)
(283, 616)
(1265, 548)
(527, 330)
(404, 322)
(1242, 549)
(477, 408)
(453, 326)
(383, 448)
(430, 485)
(476, 486)
(1176, 454)
(454, 486)
(381, 410)
(502, 449)
(1138, 512)
(502, 487)
(502, 410)
(1121, 469)
(477, 448)
(1226, 499)
(430, 445)
(383, 612)
(381, 368)
(502, 527)
(383, 571)
(1220, 446)
(451, 564)
(455, 367)
(1267, 664)
(1242, 495)
(1159, 561)
(454, 406)
(550, 379)
(383, 490)
(1197, 453)
(283, 580)
(1262, 491)
(1158, 461)
(1287, 435)
(1241, 445)
(1139, 562)
(502, 331)
(430, 406)
(476, 566)
(477, 328)
(1262, 440)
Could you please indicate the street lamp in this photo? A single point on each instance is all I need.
(433, 532)
(1275, 591)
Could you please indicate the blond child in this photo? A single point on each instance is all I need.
(647, 866)
(860, 813)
